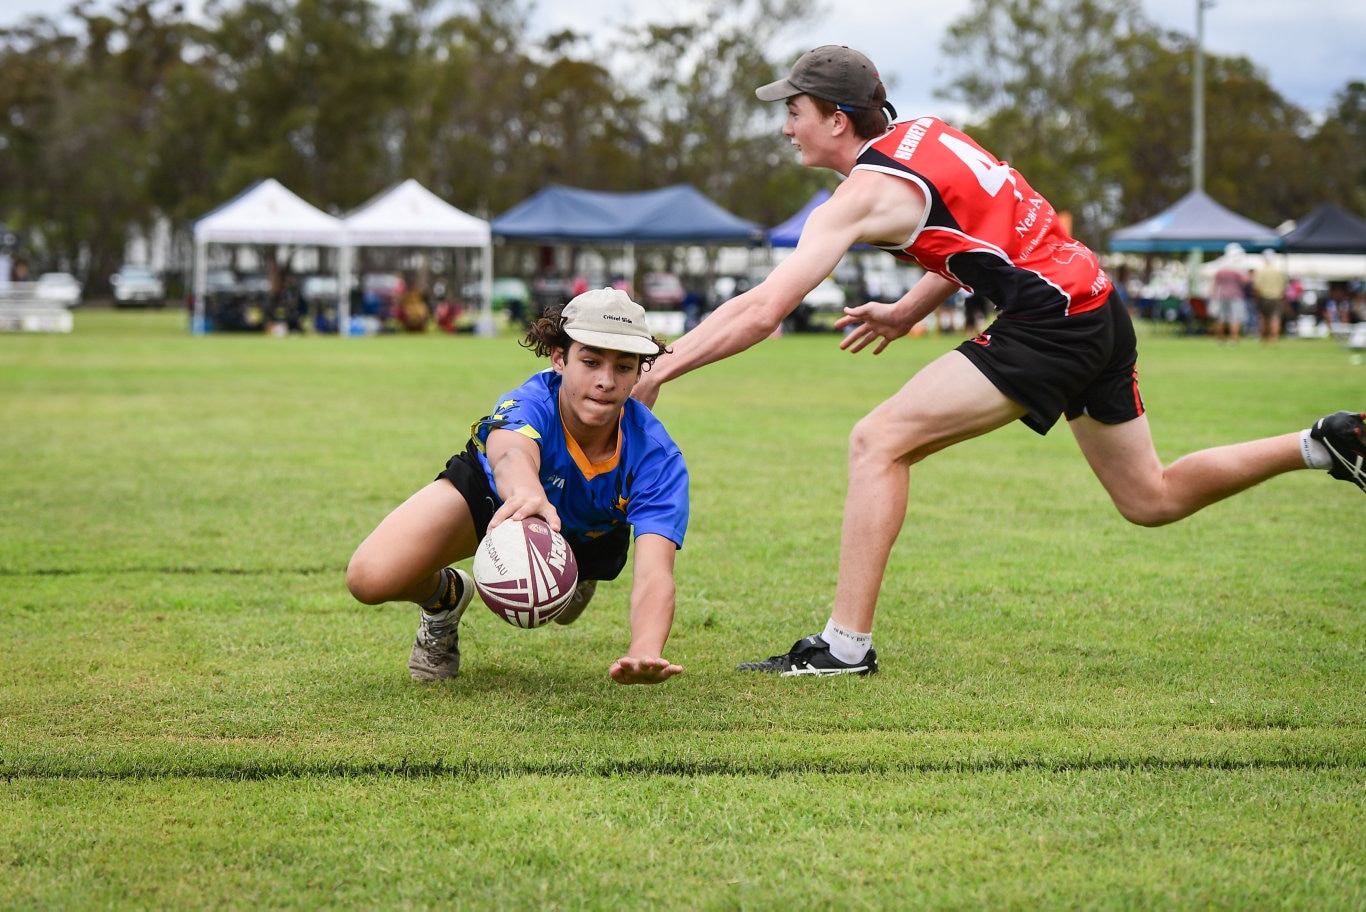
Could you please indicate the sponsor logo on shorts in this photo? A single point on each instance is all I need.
(982, 339)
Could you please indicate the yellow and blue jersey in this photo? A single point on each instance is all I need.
(644, 485)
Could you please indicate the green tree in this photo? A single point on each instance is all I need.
(83, 110)
(1094, 105)
(1046, 79)
(1339, 149)
(311, 91)
(702, 122)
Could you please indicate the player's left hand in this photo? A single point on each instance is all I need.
(875, 321)
(643, 670)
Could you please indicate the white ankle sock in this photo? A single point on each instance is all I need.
(845, 645)
(1316, 455)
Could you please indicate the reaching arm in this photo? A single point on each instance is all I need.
(867, 207)
(652, 614)
(516, 462)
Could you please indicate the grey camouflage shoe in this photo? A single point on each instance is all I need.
(583, 594)
(436, 650)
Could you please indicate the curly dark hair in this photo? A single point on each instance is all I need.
(548, 333)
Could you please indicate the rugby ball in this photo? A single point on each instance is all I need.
(525, 572)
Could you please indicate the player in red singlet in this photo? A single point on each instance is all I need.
(1061, 344)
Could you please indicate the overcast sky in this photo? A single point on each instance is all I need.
(1307, 50)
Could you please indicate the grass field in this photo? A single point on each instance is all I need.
(1073, 712)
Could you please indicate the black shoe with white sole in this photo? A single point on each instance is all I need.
(811, 656)
(1344, 434)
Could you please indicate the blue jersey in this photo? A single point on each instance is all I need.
(645, 485)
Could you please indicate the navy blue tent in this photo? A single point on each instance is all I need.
(1328, 229)
(1195, 222)
(673, 215)
(789, 232)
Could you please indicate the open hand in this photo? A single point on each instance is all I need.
(643, 670)
(872, 321)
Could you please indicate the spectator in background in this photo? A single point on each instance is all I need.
(1228, 303)
(1294, 301)
(1335, 307)
(1269, 282)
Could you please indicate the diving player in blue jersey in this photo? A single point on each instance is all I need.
(569, 445)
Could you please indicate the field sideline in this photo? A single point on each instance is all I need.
(1073, 712)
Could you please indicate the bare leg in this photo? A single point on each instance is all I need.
(946, 402)
(1149, 494)
(400, 560)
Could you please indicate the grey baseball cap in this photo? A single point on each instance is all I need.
(834, 73)
(607, 318)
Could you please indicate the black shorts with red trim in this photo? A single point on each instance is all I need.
(1083, 364)
(600, 558)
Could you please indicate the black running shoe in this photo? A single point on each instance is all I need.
(811, 656)
(1344, 433)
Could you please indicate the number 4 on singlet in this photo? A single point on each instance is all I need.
(992, 175)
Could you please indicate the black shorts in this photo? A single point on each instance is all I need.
(600, 558)
(1077, 365)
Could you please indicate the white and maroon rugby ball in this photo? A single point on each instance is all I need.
(525, 572)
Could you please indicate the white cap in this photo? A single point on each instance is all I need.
(607, 318)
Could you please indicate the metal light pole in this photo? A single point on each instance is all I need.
(1195, 256)
(1198, 111)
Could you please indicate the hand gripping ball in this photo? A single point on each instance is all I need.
(525, 572)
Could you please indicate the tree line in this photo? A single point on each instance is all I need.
(121, 117)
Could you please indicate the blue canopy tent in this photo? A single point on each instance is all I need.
(1195, 222)
(673, 215)
(789, 232)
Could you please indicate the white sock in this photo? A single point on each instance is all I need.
(1316, 455)
(845, 645)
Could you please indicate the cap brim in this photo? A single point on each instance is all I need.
(611, 342)
(777, 91)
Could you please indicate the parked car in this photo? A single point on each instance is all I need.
(60, 288)
(138, 285)
(663, 289)
(220, 282)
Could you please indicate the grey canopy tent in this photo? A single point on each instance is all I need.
(1327, 229)
(1195, 222)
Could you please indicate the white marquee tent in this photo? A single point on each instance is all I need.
(265, 213)
(410, 215)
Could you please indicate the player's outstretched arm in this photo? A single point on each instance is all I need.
(652, 614)
(516, 462)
